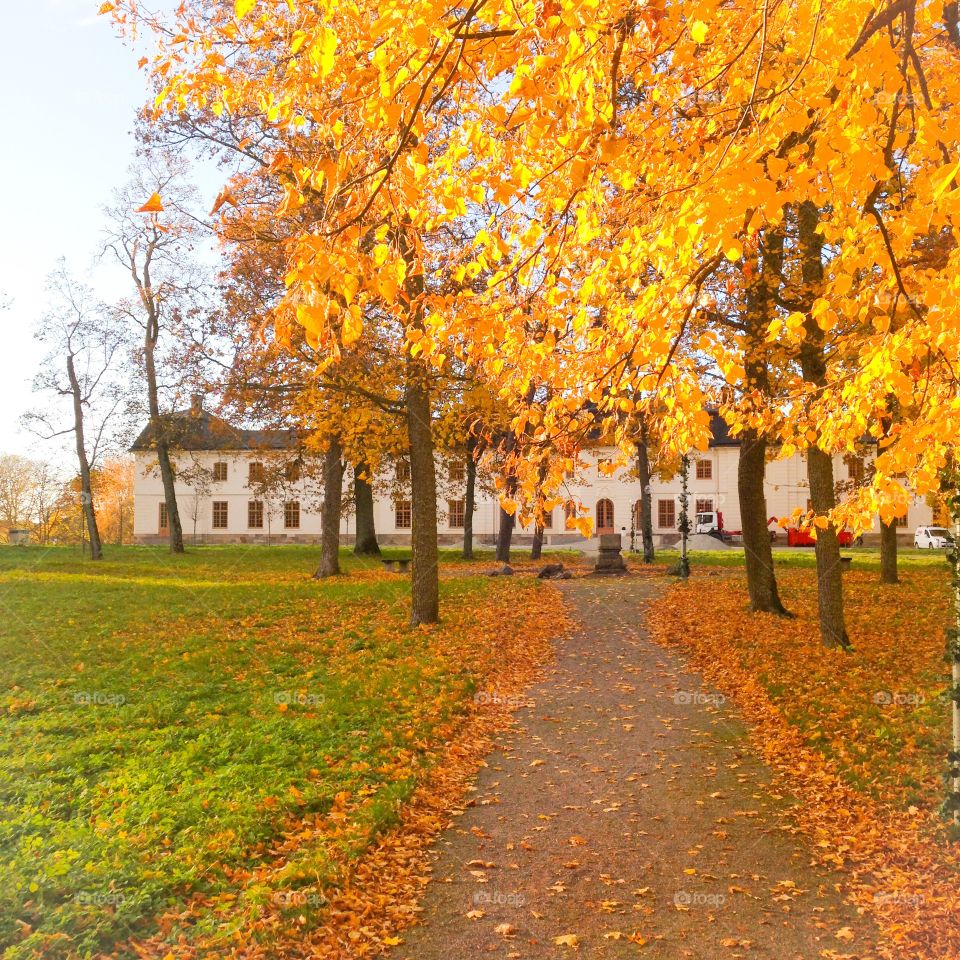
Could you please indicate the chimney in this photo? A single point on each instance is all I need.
(196, 404)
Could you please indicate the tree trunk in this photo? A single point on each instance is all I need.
(833, 629)
(469, 501)
(86, 488)
(160, 432)
(366, 542)
(505, 535)
(953, 648)
(646, 497)
(425, 578)
(332, 506)
(888, 553)
(537, 548)
(170, 495)
(752, 466)
(758, 554)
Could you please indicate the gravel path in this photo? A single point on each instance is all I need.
(627, 816)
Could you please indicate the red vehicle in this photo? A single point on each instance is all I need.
(801, 538)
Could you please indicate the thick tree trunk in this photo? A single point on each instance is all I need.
(505, 535)
(86, 487)
(646, 498)
(888, 553)
(761, 281)
(425, 579)
(758, 554)
(366, 543)
(425, 576)
(508, 521)
(833, 629)
(953, 647)
(536, 548)
(469, 501)
(332, 507)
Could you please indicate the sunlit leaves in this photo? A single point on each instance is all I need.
(600, 221)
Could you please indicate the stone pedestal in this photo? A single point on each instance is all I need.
(609, 559)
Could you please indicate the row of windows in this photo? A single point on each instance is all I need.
(221, 515)
(666, 512)
(605, 469)
(456, 472)
(256, 471)
(403, 514)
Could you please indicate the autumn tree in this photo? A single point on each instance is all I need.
(113, 483)
(627, 155)
(17, 481)
(52, 503)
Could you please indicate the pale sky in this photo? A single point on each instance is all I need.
(69, 91)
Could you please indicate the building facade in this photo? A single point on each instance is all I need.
(254, 486)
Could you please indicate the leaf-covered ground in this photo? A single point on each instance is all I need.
(626, 816)
(198, 751)
(859, 739)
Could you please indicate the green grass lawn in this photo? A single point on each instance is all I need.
(163, 718)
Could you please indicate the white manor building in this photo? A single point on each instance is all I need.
(253, 486)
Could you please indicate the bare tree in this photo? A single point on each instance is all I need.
(199, 478)
(152, 236)
(80, 370)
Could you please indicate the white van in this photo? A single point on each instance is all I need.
(932, 538)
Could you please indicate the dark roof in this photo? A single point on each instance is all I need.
(720, 435)
(190, 430)
(720, 432)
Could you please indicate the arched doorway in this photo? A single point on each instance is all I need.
(604, 516)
